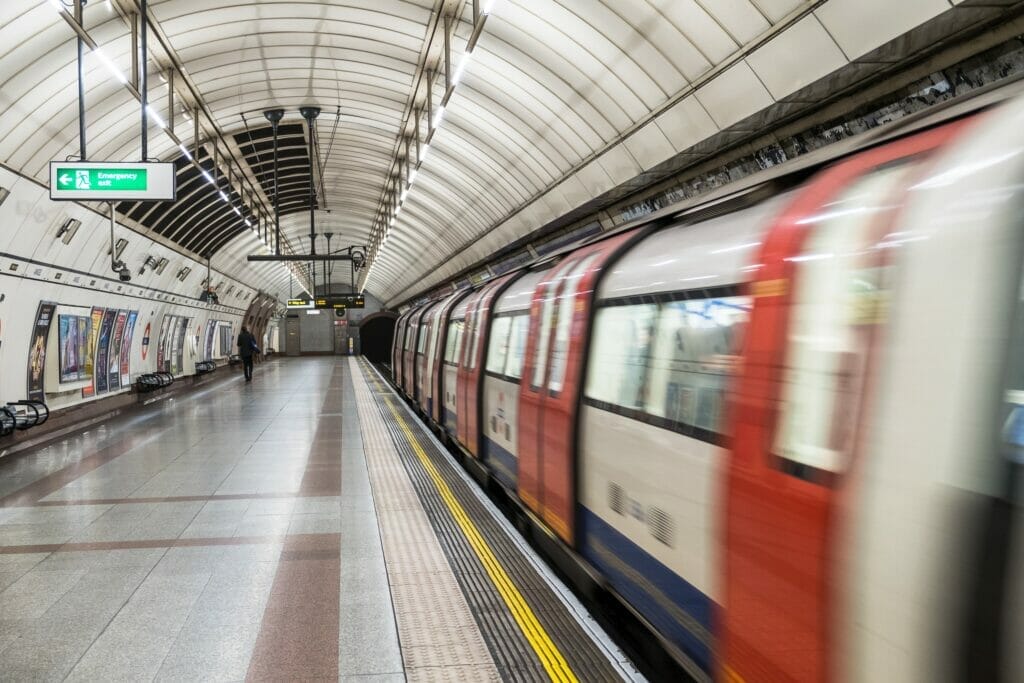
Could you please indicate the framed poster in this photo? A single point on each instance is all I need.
(103, 347)
(179, 345)
(67, 343)
(126, 348)
(211, 329)
(37, 350)
(95, 322)
(83, 346)
(161, 344)
(114, 356)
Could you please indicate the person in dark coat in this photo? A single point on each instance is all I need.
(246, 350)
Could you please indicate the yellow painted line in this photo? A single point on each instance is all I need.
(548, 653)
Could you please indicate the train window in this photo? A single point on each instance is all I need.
(474, 330)
(838, 297)
(618, 359)
(454, 341)
(566, 311)
(520, 324)
(435, 333)
(408, 338)
(540, 363)
(696, 349)
(498, 347)
(421, 347)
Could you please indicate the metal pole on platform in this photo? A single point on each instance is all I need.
(275, 116)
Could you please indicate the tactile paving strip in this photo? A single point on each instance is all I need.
(439, 638)
(512, 652)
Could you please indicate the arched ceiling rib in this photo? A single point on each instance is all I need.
(561, 101)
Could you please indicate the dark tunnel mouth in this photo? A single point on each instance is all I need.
(375, 337)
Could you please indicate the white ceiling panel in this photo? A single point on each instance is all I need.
(561, 100)
(734, 95)
(859, 26)
(797, 58)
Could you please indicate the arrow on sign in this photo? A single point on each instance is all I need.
(65, 179)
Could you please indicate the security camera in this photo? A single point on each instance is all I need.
(125, 274)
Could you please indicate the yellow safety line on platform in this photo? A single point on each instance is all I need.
(548, 653)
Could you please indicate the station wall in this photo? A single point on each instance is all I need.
(47, 258)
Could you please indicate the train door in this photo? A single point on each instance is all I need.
(467, 366)
(436, 364)
(412, 328)
(420, 351)
(819, 299)
(397, 349)
(471, 377)
(454, 342)
(549, 400)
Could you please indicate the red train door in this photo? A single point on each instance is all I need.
(422, 349)
(799, 398)
(398, 350)
(463, 408)
(437, 373)
(478, 325)
(412, 329)
(549, 394)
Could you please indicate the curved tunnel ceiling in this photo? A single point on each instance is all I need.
(560, 101)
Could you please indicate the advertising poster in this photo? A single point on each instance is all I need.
(161, 344)
(211, 329)
(126, 349)
(102, 348)
(67, 341)
(179, 345)
(95, 322)
(114, 356)
(225, 340)
(37, 350)
(83, 346)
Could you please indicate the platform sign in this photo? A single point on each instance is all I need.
(338, 303)
(112, 181)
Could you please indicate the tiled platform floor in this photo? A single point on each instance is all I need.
(227, 535)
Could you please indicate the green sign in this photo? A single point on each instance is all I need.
(101, 179)
(109, 181)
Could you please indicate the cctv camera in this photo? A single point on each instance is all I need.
(125, 275)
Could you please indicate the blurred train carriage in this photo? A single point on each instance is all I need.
(781, 426)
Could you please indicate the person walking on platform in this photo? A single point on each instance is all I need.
(246, 349)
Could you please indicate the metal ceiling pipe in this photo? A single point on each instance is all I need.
(81, 86)
(275, 116)
(144, 77)
(310, 114)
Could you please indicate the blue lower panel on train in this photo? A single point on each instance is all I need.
(449, 420)
(503, 464)
(678, 610)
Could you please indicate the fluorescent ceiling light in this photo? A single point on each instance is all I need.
(461, 68)
(156, 117)
(111, 67)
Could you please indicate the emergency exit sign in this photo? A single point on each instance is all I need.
(112, 181)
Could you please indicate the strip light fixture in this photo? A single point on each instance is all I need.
(387, 215)
(158, 120)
